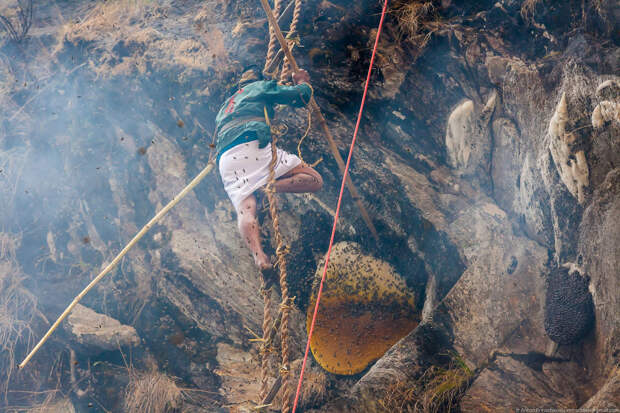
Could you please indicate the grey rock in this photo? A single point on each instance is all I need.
(497, 67)
(599, 254)
(97, 332)
(502, 268)
(535, 204)
(506, 160)
(60, 406)
(473, 209)
(524, 381)
(608, 397)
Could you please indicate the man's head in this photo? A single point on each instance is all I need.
(250, 74)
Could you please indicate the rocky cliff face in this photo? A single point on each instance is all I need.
(489, 157)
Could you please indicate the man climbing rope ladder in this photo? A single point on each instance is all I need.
(244, 148)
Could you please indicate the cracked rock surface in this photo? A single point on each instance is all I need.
(488, 158)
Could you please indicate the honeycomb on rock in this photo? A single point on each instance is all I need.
(365, 308)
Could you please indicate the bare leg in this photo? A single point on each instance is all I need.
(250, 231)
(300, 179)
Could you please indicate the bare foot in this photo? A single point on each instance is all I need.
(263, 262)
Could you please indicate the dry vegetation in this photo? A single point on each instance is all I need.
(592, 7)
(528, 9)
(411, 15)
(34, 390)
(416, 20)
(17, 28)
(314, 389)
(12, 164)
(17, 311)
(438, 390)
(151, 392)
(51, 403)
(132, 36)
(7, 79)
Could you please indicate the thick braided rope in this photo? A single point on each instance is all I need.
(267, 321)
(273, 41)
(285, 74)
(281, 251)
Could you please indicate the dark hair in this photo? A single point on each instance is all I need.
(255, 69)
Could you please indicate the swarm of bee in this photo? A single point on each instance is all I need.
(365, 308)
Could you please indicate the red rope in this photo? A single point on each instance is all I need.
(344, 178)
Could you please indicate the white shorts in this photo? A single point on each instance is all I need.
(245, 168)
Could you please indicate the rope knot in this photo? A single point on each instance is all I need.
(280, 129)
(264, 350)
(287, 303)
(268, 286)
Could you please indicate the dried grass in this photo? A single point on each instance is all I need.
(12, 163)
(411, 16)
(7, 79)
(597, 7)
(416, 22)
(17, 311)
(443, 389)
(17, 29)
(528, 10)
(51, 404)
(133, 35)
(314, 389)
(437, 390)
(18, 316)
(525, 95)
(152, 392)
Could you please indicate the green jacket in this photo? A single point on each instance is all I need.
(249, 101)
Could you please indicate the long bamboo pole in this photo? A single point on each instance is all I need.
(120, 255)
(317, 111)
